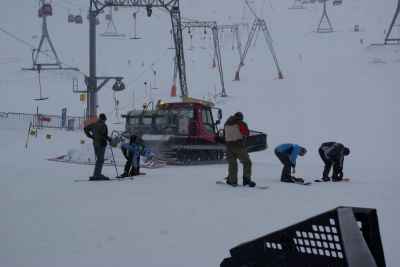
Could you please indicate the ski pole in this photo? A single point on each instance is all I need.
(112, 154)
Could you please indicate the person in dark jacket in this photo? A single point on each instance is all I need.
(132, 151)
(332, 154)
(287, 154)
(98, 131)
(235, 132)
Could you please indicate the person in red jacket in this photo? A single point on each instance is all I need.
(235, 132)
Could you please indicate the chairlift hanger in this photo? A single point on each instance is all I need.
(135, 37)
(40, 85)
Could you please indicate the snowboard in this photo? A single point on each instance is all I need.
(300, 181)
(110, 180)
(342, 181)
(257, 186)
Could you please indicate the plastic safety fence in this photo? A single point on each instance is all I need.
(256, 141)
(345, 236)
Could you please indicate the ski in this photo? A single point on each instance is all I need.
(257, 186)
(130, 176)
(341, 181)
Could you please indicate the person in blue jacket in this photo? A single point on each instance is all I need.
(132, 152)
(287, 154)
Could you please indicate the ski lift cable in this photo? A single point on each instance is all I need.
(73, 4)
(160, 17)
(43, 53)
(67, 65)
(147, 69)
(182, 18)
(252, 11)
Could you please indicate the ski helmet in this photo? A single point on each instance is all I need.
(103, 117)
(238, 115)
(346, 151)
(132, 139)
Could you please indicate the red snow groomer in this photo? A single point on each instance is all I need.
(185, 133)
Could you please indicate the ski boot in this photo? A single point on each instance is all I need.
(124, 175)
(297, 180)
(249, 182)
(233, 184)
(134, 171)
(101, 177)
(287, 180)
(325, 179)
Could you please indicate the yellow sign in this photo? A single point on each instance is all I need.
(82, 97)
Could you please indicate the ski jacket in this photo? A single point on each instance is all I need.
(332, 150)
(137, 150)
(293, 150)
(97, 131)
(235, 131)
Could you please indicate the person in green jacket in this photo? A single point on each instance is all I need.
(235, 132)
(98, 131)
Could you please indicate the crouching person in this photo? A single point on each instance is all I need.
(132, 151)
(332, 154)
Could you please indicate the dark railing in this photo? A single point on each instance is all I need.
(47, 121)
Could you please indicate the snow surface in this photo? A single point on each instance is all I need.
(335, 88)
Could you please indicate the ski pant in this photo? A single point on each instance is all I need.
(337, 167)
(235, 153)
(128, 162)
(287, 165)
(99, 151)
(131, 161)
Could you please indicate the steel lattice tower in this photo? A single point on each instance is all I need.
(96, 6)
(388, 38)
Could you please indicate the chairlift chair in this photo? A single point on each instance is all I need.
(134, 27)
(47, 10)
(337, 2)
(78, 19)
(71, 18)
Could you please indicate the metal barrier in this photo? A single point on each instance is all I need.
(47, 121)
